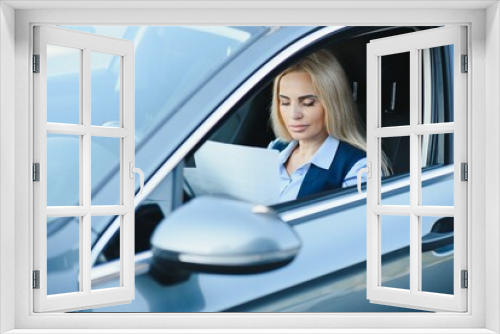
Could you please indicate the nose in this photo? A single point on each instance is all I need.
(297, 112)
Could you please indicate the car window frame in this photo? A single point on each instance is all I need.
(25, 319)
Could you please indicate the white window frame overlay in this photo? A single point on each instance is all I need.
(414, 43)
(16, 21)
(86, 43)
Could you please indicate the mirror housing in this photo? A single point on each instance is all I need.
(221, 235)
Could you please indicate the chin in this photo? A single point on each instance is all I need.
(302, 135)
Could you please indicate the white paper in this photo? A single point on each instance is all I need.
(247, 173)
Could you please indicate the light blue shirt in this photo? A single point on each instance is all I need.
(323, 158)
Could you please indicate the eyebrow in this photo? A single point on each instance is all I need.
(304, 97)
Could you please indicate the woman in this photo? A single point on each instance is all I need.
(318, 129)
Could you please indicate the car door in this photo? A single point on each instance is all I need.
(328, 274)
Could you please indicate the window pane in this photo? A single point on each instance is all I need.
(395, 94)
(395, 248)
(63, 170)
(437, 254)
(63, 255)
(106, 171)
(189, 55)
(107, 275)
(105, 89)
(397, 152)
(63, 84)
(437, 84)
(437, 158)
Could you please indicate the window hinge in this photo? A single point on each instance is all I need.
(36, 279)
(36, 172)
(36, 63)
(465, 279)
(464, 171)
(465, 63)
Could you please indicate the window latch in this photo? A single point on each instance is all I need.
(132, 171)
(368, 171)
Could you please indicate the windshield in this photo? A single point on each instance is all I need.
(171, 63)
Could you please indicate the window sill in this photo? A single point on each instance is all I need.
(256, 331)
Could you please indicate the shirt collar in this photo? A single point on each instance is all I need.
(287, 151)
(323, 157)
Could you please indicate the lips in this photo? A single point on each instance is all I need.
(298, 127)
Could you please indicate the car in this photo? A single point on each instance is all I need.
(206, 253)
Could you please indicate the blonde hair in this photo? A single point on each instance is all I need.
(330, 82)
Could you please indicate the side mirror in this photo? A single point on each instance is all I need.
(220, 235)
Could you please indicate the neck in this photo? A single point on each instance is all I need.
(307, 148)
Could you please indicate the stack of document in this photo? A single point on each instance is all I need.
(247, 173)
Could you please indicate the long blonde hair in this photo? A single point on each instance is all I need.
(330, 82)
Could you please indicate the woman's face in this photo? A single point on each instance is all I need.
(300, 108)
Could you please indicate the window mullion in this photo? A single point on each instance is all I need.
(85, 235)
(127, 102)
(414, 174)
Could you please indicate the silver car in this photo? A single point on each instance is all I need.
(211, 254)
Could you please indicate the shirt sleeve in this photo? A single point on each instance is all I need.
(352, 176)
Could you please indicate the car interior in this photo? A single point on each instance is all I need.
(249, 124)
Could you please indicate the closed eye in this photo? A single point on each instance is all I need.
(309, 103)
(284, 101)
